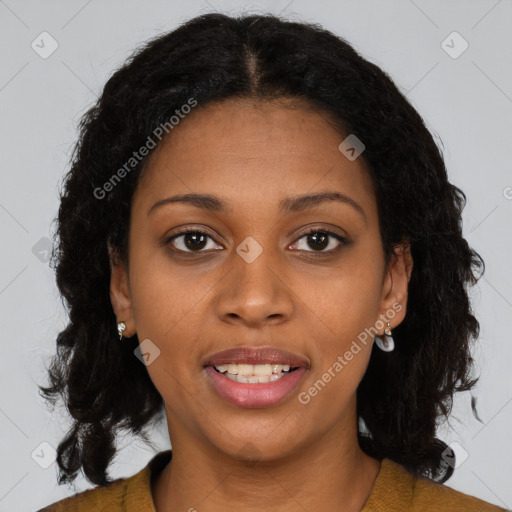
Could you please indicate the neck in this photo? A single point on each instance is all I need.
(333, 473)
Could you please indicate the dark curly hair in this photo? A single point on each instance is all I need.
(214, 57)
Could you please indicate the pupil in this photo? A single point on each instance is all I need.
(317, 236)
(198, 240)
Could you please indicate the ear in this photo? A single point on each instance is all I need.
(120, 296)
(395, 288)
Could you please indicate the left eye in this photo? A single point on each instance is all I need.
(319, 239)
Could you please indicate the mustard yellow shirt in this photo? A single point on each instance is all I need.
(394, 490)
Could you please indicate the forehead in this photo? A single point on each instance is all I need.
(254, 152)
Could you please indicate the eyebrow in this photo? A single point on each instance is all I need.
(289, 205)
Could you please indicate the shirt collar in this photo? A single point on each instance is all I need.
(393, 488)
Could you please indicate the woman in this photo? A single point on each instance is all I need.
(251, 205)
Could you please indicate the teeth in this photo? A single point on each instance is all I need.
(245, 369)
(254, 379)
(253, 370)
(261, 370)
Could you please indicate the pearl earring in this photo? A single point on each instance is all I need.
(386, 342)
(121, 326)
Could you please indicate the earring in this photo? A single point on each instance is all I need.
(121, 326)
(388, 343)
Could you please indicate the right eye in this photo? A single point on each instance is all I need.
(189, 240)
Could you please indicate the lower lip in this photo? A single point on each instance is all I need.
(254, 395)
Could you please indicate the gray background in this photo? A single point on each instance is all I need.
(466, 101)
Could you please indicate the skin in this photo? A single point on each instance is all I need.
(290, 456)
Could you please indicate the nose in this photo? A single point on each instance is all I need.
(255, 294)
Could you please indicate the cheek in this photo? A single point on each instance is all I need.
(346, 303)
(343, 353)
(345, 309)
(169, 309)
(162, 293)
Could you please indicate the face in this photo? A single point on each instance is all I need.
(250, 275)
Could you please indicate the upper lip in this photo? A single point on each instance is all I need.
(260, 355)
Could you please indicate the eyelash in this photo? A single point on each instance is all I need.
(310, 231)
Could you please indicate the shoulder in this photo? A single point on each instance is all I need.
(108, 497)
(132, 494)
(429, 495)
(396, 489)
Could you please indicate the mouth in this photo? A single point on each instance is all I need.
(255, 377)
